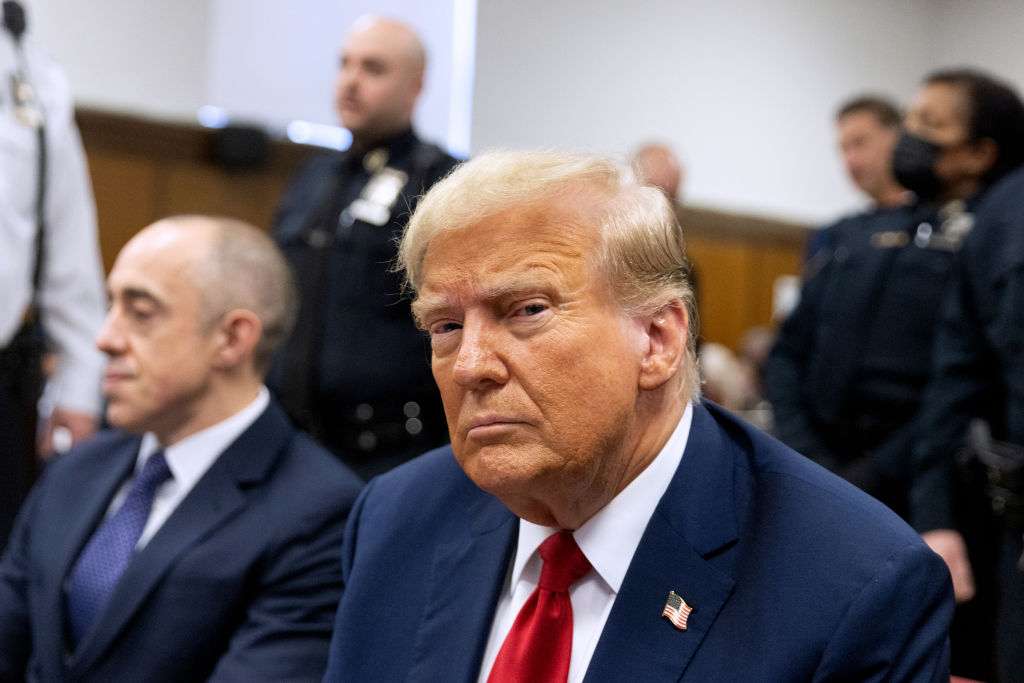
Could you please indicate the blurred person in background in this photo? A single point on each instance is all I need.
(657, 165)
(973, 486)
(851, 363)
(356, 372)
(51, 278)
(868, 127)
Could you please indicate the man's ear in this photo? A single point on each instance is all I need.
(666, 345)
(238, 332)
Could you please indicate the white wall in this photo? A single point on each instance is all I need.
(745, 90)
(981, 33)
(276, 61)
(138, 56)
(264, 60)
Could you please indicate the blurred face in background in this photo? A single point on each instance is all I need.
(379, 79)
(940, 114)
(866, 145)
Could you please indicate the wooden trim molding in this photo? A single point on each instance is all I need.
(172, 141)
(740, 227)
(144, 169)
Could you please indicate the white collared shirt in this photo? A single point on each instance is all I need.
(188, 460)
(609, 540)
(71, 291)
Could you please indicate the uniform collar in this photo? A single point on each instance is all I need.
(394, 146)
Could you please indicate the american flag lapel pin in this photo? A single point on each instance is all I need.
(676, 610)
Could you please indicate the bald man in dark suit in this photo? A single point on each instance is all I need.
(197, 540)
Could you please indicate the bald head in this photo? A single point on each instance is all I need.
(234, 266)
(657, 166)
(393, 35)
(380, 79)
(197, 307)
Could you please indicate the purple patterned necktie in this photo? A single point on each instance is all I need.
(108, 552)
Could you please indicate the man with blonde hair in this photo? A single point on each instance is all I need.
(592, 517)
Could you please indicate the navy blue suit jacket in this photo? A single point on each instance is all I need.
(792, 573)
(239, 584)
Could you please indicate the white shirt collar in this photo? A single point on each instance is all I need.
(609, 539)
(189, 459)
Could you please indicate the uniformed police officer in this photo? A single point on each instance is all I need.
(44, 193)
(850, 365)
(979, 373)
(356, 371)
(867, 128)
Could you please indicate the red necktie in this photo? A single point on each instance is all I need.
(540, 643)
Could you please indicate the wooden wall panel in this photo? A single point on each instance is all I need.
(126, 189)
(775, 261)
(204, 188)
(737, 259)
(144, 170)
(724, 280)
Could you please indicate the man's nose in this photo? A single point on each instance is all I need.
(348, 79)
(480, 359)
(109, 338)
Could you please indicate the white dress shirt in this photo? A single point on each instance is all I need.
(609, 540)
(72, 298)
(188, 460)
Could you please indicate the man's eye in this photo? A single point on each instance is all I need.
(443, 328)
(533, 309)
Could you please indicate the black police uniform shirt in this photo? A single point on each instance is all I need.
(370, 362)
(979, 350)
(847, 370)
(979, 373)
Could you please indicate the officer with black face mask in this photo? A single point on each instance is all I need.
(967, 494)
(851, 362)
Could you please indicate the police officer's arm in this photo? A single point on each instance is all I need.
(72, 286)
(959, 389)
(785, 372)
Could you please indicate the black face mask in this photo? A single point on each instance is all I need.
(913, 166)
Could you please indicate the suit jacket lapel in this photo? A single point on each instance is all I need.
(99, 477)
(465, 582)
(694, 522)
(216, 497)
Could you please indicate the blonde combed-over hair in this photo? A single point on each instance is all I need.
(641, 243)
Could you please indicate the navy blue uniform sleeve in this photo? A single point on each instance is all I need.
(786, 375)
(958, 390)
